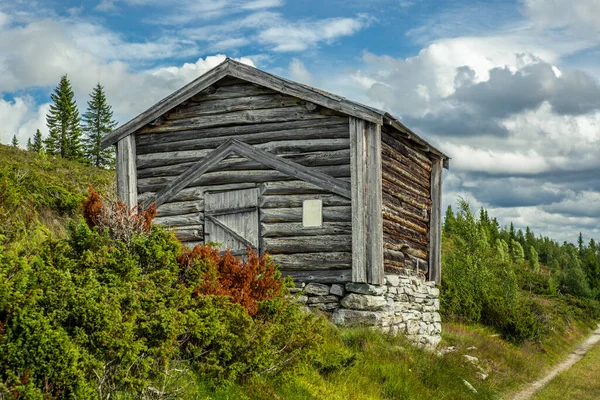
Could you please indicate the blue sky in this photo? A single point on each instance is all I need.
(509, 89)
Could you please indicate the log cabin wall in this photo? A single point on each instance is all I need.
(282, 125)
(406, 177)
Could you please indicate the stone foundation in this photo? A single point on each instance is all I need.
(404, 305)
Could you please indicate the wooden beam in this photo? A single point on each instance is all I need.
(358, 172)
(293, 169)
(166, 104)
(192, 173)
(435, 223)
(374, 204)
(126, 171)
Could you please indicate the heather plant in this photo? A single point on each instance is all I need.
(100, 315)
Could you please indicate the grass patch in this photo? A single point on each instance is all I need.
(579, 382)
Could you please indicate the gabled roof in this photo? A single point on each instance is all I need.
(238, 70)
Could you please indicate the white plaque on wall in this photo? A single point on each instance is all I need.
(312, 213)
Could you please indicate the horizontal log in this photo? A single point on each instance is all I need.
(330, 214)
(220, 91)
(328, 276)
(192, 244)
(393, 255)
(297, 200)
(388, 154)
(401, 219)
(186, 235)
(290, 187)
(284, 229)
(180, 207)
(404, 208)
(237, 117)
(316, 159)
(420, 202)
(405, 246)
(228, 177)
(218, 106)
(197, 193)
(277, 147)
(338, 131)
(144, 139)
(403, 232)
(405, 149)
(308, 244)
(313, 261)
(401, 169)
(401, 182)
(178, 220)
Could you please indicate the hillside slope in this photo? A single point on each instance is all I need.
(46, 189)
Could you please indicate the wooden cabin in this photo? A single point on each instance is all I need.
(334, 190)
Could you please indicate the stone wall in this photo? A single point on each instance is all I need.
(404, 305)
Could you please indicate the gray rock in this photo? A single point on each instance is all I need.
(300, 299)
(471, 388)
(413, 327)
(481, 376)
(337, 289)
(392, 280)
(322, 299)
(436, 317)
(325, 306)
(365, 288)
(364, 302)
(346, 317)
(435, 292)
(317, 289)
(471, 359)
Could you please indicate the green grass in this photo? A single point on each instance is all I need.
(49, 190)
(580, 382)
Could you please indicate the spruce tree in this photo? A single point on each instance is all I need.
(15, 141)
(98, 122)
(38, 143)
(63, 122)
(29, 145)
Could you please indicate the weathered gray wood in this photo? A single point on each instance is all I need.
(314, 261)
(212, 107)
(373, 202)
(328, 276)
(290, 187)
(126, 172)
(321, 98)
(228, 177)
(357, 165)
(190, 234)
(435, 223)
(286, 229)
(312, 175)
(220, 91)
(235, 231)
(308, 244)
(198, 169)
(237, 117)
(197, 193)
(179, 220)
(330, 214)
(145, 139)
(338, 131)
(297, 200)
(241, 163)
(180, 207)
(166, 104)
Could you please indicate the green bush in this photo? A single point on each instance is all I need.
(92, 317)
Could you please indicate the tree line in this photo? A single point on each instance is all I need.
(71, 136)
(575, 268)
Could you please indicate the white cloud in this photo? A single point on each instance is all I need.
(298, 72)
(581, 16)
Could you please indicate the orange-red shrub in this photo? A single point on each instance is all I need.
(245, 281)
(114, 216)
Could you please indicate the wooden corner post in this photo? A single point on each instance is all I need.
(435, 223)
(126, 171)
(367, 217)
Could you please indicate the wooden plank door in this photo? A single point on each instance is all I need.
(231, 218)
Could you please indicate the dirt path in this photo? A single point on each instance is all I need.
(575, 356)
